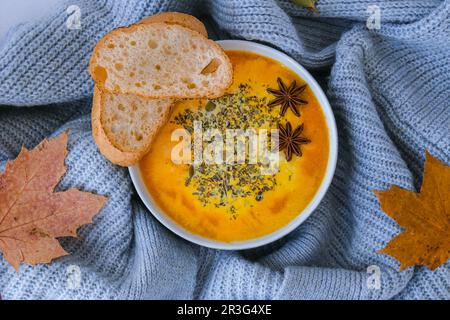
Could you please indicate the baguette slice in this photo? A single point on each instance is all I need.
(182, 19)
(160, 60)
(120, 146)
(124, 126)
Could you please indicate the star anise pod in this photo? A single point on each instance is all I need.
(291, 141)
(287, 97)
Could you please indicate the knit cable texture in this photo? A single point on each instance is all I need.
(389, 90)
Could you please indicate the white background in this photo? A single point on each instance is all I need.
(13, 12)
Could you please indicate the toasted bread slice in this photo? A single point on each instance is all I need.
(160, 60)
(124, 126)
(182, 19)
(120, 146)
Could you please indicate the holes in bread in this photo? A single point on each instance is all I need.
(137, 135)
(138, 84)
(100, 74)
(211, 67)
(152, 44)
(157, 67)
(167, 50)
(111, 46)
(159, 109)
(118, 66)
(189, 83)
(121, 107)
(205, 83)
(156, 87)
(133, 43)
(115, 127)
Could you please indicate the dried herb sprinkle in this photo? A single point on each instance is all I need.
(221, 185)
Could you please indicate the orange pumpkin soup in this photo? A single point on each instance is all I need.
(236, 202)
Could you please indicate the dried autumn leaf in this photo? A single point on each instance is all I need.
(309, 4)
(31, 214)
(425, 216)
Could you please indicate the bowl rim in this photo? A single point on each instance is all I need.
(294, 66)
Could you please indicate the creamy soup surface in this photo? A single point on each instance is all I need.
(236, 202)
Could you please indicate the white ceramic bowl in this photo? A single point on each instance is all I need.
(302, 216)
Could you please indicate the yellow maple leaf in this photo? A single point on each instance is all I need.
(309, 4)
(424, 216)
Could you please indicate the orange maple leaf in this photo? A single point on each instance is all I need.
(31, 214)
(425, 216)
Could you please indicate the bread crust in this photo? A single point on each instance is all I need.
(209, 94)
(182, 19)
